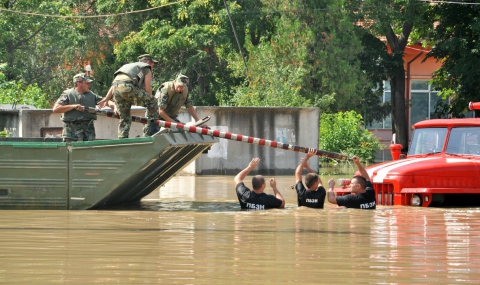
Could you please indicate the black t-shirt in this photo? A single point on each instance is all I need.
(253, 201)
(308, 198)
(359, 201)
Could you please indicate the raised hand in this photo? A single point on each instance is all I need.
(254, 162)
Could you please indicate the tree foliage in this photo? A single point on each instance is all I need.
(47, 51)
(298, 53)
(342, 132)
(18, 92)
(457, 46)
(311, 57)
(275, 83)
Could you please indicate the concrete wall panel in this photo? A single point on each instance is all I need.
(296, 126)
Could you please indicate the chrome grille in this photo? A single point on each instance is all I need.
(384, 193)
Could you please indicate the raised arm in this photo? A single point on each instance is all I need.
(332, 198)
(242, 174)
(308, 168)
(360, 167)
(304, 163)
(277, 193)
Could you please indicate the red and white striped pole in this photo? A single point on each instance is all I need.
(248, 139)
(230, 136)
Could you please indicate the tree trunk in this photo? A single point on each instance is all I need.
(201, 85)
(399, 118)
(397, 82)
(11, 53)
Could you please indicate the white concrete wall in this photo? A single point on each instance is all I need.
(299, 126)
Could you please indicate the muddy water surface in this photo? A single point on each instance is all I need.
(191, 231)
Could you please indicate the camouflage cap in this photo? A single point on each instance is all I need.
(182, 79)
(147, 57)
(82, 77)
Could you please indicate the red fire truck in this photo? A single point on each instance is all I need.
(442, 167)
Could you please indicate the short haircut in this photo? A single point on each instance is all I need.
(361, 180)
(257, 182)
(310, 179)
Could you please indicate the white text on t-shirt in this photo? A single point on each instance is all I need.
(367, 205)
(255, 206)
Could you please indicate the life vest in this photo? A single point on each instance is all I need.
(136, 71)
(85, 99)
(172, 110)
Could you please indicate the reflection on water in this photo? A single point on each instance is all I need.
(192, 231)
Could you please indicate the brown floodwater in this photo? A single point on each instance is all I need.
(192, 231)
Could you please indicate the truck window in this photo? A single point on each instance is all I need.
(427, 140)
(464, 140)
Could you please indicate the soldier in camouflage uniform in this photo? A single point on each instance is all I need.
(172, 96)
(132, 85)
(78, 125)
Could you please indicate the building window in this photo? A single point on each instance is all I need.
(387, 122)
(423, 100)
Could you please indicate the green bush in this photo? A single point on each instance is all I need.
(17, 92)
(344, 133)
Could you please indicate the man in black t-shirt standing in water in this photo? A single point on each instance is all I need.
(256, 199)
(314, 195)
(363, 195)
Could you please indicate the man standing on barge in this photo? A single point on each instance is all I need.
(78, 125)
(133, 85)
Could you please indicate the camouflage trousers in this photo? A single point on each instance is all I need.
(78, 131)
(126, 95)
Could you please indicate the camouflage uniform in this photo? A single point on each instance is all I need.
(78, 131)
(78, 126)
(128, 91)
(170, 100)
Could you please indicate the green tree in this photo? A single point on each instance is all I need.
(18, 92)
(456, 45)
(274, 84)
(400, 22)
(332, 57)
(44, 43)
(343, 133)
(310, 58)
